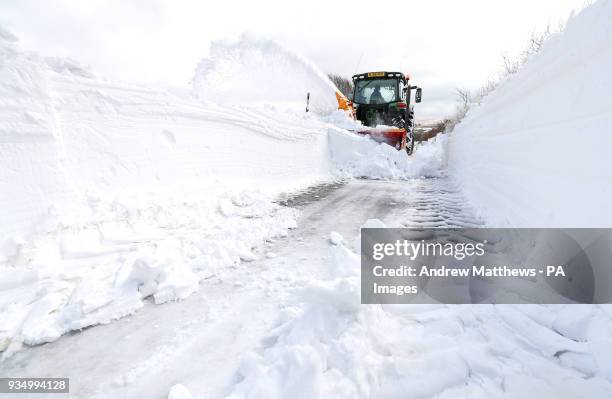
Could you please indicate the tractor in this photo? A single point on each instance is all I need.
(381, 102)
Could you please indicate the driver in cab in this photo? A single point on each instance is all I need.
(376, 97)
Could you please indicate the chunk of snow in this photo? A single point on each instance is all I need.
(179, 391)
(335, 238)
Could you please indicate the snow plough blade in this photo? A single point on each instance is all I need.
(393, 136)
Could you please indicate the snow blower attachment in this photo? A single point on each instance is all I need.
(381, 102)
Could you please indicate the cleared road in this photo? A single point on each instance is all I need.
(202, 339)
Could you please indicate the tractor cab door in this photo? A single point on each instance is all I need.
(404, 87)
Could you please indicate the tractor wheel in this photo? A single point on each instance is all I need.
(410, 146)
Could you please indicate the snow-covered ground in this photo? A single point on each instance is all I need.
(118, 197)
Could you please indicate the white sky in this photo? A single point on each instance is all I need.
(443, 44)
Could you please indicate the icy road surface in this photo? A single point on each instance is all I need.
(201, 340)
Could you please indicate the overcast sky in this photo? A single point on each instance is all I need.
(443, 44)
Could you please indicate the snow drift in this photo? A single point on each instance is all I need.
(258, 71)
(536, 152)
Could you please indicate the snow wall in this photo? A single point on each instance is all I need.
(70, 142)
(537, 151)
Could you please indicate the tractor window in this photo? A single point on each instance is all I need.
(376, 91)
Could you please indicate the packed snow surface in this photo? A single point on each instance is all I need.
(536, 151)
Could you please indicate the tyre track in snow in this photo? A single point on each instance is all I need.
(201, 340)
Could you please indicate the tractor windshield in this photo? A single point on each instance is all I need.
(375, 91)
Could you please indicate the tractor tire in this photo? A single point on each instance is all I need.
(398, 122)
(410, 146)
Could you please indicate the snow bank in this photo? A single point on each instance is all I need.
(253, 71)
(70, 142)
(85, 275)
(113, 193)
(328, 345)
(536, 152)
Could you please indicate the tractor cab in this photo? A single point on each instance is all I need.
(383, 98)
